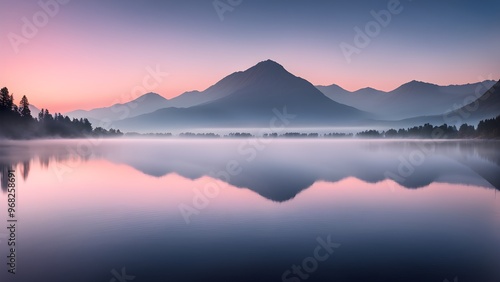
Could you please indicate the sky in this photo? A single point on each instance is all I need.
(82, 54)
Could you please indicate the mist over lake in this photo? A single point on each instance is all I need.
(250, 141)
(251, 209)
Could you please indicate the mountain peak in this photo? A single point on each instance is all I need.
(415, 85)
(269, 62)
(366, 89)
(269, 65)
(416, 82)
(152, 94)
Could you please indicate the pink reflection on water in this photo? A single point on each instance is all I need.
(99, 185)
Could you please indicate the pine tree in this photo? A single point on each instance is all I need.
(5, 99)
(41, 115)
(10, 103)
(24, 107)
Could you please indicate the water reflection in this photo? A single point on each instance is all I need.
(278, 170)
(117, 205)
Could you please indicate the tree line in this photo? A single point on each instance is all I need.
(17, 122)
(486, 129)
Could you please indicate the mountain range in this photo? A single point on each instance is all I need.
(145, 104)
(412, 99)
(472, 110)
(253, 98)
(257, 96)
(151, 102)
(276, 178)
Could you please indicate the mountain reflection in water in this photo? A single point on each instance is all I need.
(277, 169)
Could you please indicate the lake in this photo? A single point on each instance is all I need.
(253, 210)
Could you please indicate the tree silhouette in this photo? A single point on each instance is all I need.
(24, 108)
(466, 131)
(41, 114)
(489, 128)
(18, 123)
(6, 100)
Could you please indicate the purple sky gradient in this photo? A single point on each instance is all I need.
(94, 53)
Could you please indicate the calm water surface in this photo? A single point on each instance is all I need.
(254, 210)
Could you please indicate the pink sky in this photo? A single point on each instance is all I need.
(87, 57)
(59, 79)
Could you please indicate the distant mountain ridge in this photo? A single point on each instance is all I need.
(470, 111)
(147, 103)
(250, 100)
(411, 99)
(151, 102)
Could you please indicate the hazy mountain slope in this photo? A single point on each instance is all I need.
(223, 88)
(484, 106)
(257, 92)
(362, 99)
(412, 99)
(147, 103)
(34, 110)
